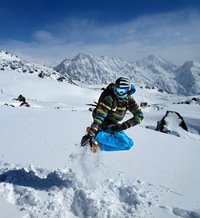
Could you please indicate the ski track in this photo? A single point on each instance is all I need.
(38, 192)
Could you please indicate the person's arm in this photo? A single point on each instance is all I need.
(138, 116)
(101, 113)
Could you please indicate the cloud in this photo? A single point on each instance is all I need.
(173, 36)
(145, 29)
(43, 36)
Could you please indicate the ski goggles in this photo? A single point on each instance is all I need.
(121, 91)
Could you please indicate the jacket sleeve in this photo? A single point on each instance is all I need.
(135, 109)
(101, 113)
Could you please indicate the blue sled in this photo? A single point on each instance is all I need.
(116, 141)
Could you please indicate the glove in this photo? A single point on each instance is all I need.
(117, 128)
(86, 140)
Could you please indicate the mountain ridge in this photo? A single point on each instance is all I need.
(152, 70)
(87, 69)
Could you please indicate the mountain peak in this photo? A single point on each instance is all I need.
(153, 57)
(190, 64)
(156, 64)
(81, 56)
(188, 76)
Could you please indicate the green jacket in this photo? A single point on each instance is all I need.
(106, 112)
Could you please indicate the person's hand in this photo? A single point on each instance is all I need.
(86, 140)
(117, 128)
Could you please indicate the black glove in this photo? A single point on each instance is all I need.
(86, 140)
(117, 127)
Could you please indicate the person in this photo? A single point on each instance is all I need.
(106, 131)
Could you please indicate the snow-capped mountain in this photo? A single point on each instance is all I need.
(152, 70)
(12, 62)
(188, 78)
(159, 72)
(91, 69)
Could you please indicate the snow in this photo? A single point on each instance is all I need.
(6, 56)
(45, 173)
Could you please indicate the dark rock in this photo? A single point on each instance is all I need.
(163, 124)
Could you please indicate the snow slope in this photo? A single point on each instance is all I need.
(45, 173)
(11, 62)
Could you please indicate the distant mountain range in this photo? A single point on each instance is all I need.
(152, 71)
(88, 69)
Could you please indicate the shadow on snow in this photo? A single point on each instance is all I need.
(28, 179)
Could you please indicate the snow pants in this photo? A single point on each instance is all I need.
(115, 141)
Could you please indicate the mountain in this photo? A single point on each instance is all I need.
(94, 70)
(155, 64)
(188, 78)
(102, 70)
(11, 62)
(159, 72)
(152, 70)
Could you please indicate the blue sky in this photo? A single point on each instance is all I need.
(49, 31)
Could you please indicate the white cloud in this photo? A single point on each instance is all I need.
(42, 35)
(173, 36)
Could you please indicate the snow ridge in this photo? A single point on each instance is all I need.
(11, 62)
